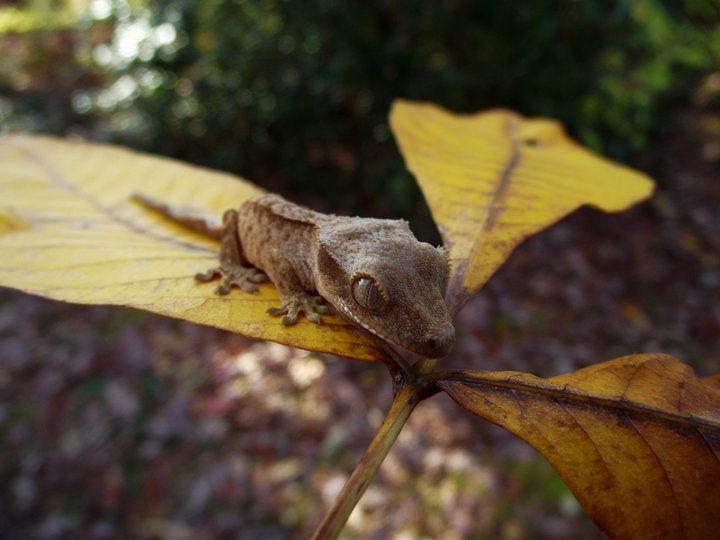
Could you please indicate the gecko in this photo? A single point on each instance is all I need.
(372, 271)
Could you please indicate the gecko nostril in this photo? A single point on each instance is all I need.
(440, 341)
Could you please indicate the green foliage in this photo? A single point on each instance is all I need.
(33, 17)
(296, 94)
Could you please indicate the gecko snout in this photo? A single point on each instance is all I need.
(439, 342)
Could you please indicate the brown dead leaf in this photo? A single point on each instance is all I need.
(637, 439)
(494, 178)
(70, 231)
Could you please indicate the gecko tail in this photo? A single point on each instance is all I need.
(192, 218)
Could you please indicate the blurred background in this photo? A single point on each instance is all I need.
(121, 424)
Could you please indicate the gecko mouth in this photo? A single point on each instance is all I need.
(435, 345)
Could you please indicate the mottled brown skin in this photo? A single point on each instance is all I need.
(374, 271)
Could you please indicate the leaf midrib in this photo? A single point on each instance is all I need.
(67, 185)
(490, 213)
(565, 395)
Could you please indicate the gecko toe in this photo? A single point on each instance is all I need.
(223, 288)
(242, 277)
(258, 277)
(276, 311)
(293, 307)
(209, 275)
(290, 319)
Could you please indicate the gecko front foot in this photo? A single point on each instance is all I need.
(311, 306)
(240, 276)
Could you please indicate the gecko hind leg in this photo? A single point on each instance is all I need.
(240, 276)
(233, 269)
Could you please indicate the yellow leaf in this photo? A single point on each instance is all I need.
(70, 231)
(495, 178)
(637, 439)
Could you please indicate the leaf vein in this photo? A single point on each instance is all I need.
(635, 407)
(111, 214)
(666, 474)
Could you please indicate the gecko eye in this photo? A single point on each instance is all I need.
(368, 293)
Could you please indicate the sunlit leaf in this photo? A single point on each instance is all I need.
(637, 439)
(495, 178)
(70, 231)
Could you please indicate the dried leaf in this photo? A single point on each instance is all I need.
(70, 231)
(637, 439)
(495, 178)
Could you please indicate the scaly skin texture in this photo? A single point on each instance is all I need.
(373, 271)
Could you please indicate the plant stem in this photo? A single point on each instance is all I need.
(404, 401)
(424, 366)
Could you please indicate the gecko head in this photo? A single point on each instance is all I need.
(377, 274)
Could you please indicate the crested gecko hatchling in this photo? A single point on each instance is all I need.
(373, 271)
